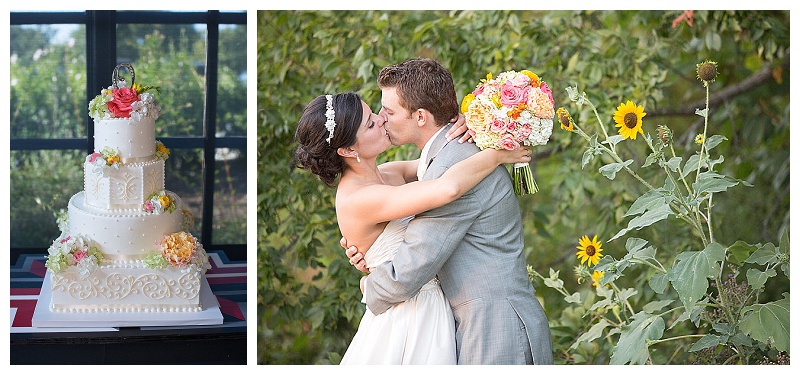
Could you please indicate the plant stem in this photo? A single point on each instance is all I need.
(653, 342)
(703, 145)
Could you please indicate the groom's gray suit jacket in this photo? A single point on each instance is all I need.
(475, 246)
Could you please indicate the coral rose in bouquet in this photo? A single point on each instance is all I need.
(514, 110)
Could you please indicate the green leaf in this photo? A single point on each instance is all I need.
(714, 141)
(765, 254)
(783, 246)
(692, 164)
(593, 333)
(650, 200)
(690, 276)
(706, 341)
(588, 155)
(658, 282)
(674, 163)
(610, 170)
(757, 278)
(710, 182)
(768, 323)
(656, 305)
(739, 252)
(574, 298)
(614, 139)
(653, 215)
(632, 346)
(701, 112)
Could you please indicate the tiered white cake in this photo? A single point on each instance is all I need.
(125, 244)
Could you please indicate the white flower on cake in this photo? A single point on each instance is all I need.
(145, 107)
(62, 220)
(73, 250)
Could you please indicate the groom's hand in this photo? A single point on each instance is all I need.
(356, 258)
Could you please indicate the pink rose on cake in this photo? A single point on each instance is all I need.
(120, 106)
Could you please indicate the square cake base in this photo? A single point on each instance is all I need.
(43, 317)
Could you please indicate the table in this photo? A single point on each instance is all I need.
(225, 343)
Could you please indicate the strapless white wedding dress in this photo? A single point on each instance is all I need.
(420, 331)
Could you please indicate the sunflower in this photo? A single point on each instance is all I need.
(565, 120)
(590, 251)
(699, 139)
(628, 117)
(596, 276)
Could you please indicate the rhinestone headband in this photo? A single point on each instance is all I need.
(329, 113)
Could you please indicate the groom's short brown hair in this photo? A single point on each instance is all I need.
(422, 83)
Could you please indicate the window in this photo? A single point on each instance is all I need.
(61, 60)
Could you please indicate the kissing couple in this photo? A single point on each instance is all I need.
(440, 236)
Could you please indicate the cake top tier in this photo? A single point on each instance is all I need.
(121, 100)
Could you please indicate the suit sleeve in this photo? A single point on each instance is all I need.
(428, 242)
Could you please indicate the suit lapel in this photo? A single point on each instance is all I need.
(437, 145)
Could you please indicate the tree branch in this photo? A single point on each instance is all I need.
(760, 77)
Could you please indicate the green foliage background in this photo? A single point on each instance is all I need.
(308, 296)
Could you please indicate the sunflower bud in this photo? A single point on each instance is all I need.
(664, 134)
(707, 72)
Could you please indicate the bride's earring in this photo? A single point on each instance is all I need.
(358, 158)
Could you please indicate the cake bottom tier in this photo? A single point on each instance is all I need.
(126, 287)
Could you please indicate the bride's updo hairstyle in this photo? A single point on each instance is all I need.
(314, 153)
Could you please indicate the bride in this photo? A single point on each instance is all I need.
(340, 136)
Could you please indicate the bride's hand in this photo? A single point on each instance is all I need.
(460, 127)
(520, 155)
(356, 258)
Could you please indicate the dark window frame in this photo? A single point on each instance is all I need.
(100, 39)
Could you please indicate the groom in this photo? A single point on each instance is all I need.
(474, 244)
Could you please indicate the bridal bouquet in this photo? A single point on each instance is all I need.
(513, 110)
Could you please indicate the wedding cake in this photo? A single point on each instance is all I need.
(125, 244)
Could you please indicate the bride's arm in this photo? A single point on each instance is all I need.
(379, 203)
(405, 168)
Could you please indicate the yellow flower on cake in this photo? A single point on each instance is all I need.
(179, 248)
(164, 200)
